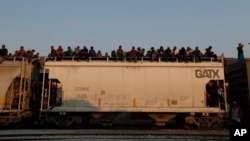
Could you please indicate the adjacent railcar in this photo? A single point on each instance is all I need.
(15, 91)
(239, 85)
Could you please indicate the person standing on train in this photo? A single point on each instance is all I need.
(240, 52)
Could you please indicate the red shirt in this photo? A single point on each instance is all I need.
(133, 53)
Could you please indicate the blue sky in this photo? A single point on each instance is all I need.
(106, 24)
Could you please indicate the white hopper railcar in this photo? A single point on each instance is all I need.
(74, 92)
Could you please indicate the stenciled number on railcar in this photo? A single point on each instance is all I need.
(81, 96)
(81, 92)
(82, 88)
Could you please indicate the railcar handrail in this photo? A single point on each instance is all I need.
(127, 59)
(121, 59)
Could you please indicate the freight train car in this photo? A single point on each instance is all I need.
(239, 85)
(15, 91)
(69, 92)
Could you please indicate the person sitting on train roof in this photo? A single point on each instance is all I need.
(84, 53)
(148, 53)
(59, 52)
(106, 55)
(209, 53)
(30, 54)
(133, 54)
(92, 52)
(15, 54)
(113, 53)
(140, 52)
(52, 52)
(153, 53)
(3, 53)
(119, 53)
(189, 54)
(197, 54)
(69, 51)
(99, 53)
(160, 51)
(175, 52)
(21, 52)
(76, 51)
(168, 53)
(182, 54)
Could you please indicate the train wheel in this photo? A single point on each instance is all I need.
(217, 123)
(181, 120)
(81, 124)
(18, 125)
(85, 121)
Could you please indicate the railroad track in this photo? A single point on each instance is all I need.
(111, 134)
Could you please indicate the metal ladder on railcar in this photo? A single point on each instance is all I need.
(43, 115)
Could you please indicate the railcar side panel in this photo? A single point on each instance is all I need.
(152, 87)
